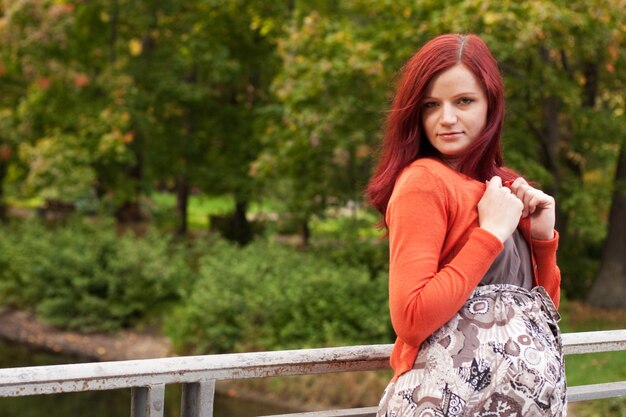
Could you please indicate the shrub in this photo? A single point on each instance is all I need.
(83, 276)
(267, 296)
(373, 254)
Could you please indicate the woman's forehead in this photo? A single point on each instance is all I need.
(454, 81)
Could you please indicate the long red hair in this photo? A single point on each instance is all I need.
(405, 140)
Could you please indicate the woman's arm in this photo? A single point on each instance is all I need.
(422, 296)
(548, 273)
(541, 209)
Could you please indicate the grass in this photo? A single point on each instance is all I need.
(361, 224)
(337, 222)
(199, 209)
(30, 203)
(202, 206)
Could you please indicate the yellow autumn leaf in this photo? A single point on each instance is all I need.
(490, 18)
(134, 46)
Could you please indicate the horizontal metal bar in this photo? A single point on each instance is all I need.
(348, 412)
(190, 369)
(574, 394)
(596, 391)
(592, 342)
(127, 374)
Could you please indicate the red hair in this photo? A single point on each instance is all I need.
(405, 140)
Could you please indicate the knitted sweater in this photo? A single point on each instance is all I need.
(438, 253)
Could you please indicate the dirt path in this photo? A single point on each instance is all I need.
(22, 327)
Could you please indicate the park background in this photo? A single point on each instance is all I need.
(196, 168)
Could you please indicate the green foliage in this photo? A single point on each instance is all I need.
(267, 296)
(103, 99)
(60, 168)
(351, 239)
(84, 276)
(373, 255)
(319, 138)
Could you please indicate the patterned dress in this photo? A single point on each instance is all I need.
(499, 356)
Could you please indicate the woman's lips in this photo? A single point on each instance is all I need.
(450, 135)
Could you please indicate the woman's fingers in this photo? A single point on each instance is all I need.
(494, 183)
(539, 199)
(537, 204)
(499, 209)
(531, 197)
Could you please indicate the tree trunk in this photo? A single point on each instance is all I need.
(130, 211)
(305, 233)
(182, 183)
(115, 13)
(3, 207)
(590, 88)
(242, 232)
(549, 136)
(609, 289)
(182, 200)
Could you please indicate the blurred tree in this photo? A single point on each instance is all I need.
(201, 71)
(329, 101)
(226, 96)
(71, 124)
(165, 92)
(246, 32)
(609, 290)
(563, 96)
(8, 139)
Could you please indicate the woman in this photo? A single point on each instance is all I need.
(473, 280)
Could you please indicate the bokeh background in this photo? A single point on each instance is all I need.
(196, 168)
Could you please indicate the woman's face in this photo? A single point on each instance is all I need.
(454, 111)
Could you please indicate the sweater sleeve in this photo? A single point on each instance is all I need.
(423, 297)
(548, 273)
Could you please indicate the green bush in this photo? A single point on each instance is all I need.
(84, 276)
(267, 296)
(373, 254)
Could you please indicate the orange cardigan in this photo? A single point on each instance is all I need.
(438, 253)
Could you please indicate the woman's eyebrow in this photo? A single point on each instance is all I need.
(468, 93)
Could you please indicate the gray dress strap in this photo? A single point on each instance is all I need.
(513, 265)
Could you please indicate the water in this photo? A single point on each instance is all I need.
(115, 403)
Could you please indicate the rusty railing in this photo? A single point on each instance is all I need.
(197, 374)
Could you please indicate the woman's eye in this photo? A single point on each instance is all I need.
(466, 100)
(429, 104)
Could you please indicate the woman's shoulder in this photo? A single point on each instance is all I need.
(428, 170)
(433, 175)
(425, 174)
(430, 164)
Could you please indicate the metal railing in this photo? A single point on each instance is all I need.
(147, 378)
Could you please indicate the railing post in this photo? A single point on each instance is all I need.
(197, 399)
(147, 401)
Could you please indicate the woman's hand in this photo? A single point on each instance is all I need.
(539, 206)
(499, 210)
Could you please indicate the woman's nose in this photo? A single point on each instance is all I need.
(448, 115)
